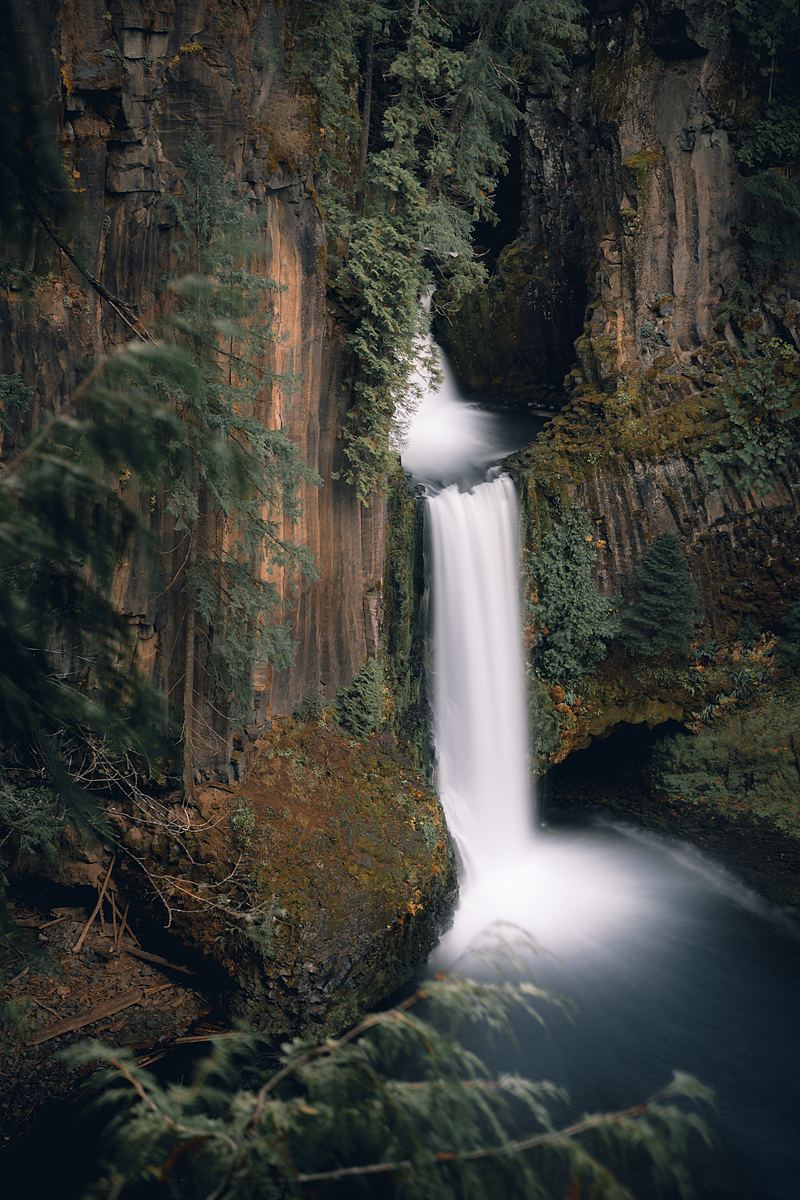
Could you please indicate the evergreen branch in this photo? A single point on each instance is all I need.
(334, 1044)
(521, 1146)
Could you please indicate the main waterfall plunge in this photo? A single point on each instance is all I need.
(478, 696)
(579, 894)
(479, 707)
(509, 877)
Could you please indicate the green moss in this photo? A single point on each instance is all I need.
(649, 416)
(404, 632)
(641, 164)
(321, 884)
(604, 349)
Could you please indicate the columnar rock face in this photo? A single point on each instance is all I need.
(615, 303)
(632, 207)
(638, 150)
(742, 548)
(632, 178)
(128, 80)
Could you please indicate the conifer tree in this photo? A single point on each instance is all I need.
(359, 707)
(396, 1106)
(68, 676)
(666, 607)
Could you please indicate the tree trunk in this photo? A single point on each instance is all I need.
(189, 669)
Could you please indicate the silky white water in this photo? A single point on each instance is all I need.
(479, 708)
(480, 727)
(508, 877)
(574, 896)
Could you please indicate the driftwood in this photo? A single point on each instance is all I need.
(96, 908)
(144, 955)
(107, 1009)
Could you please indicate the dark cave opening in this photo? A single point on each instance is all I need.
(490, 239)
(610, 769)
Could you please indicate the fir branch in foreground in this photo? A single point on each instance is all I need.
(397, 1106)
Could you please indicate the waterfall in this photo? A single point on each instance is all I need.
(479, 701)
(478, 695)
(542, 889)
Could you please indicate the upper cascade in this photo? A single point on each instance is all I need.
(443, 438)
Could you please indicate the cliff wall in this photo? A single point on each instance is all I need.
(126, 83)
(628, 302)
(632, 210)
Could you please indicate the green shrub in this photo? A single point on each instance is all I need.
(665, 611)
(542, 719)
(772, 138)
(243, 824)
(743, 762)
(359, 707)
(772, 220)
(575, 621)
(761, 399)
(259, 927)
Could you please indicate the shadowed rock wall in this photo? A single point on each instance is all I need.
(632, 207)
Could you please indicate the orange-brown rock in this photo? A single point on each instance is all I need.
(128, 82)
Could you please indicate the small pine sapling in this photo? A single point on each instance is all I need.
(666, 608)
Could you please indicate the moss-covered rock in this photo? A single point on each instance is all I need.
(315, 889)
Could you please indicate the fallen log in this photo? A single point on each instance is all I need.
(107, 1009)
